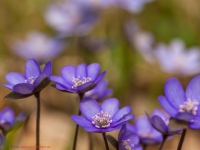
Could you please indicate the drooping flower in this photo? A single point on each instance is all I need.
(102, 118)
(180, 104)
(147, 134)
(160, 121)
(71, 18)
(176, 59)
(38, 46)
(33, 81)
(78, 79)
(128, 140)
(100, 91)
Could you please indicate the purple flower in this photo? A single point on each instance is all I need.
(7, 119)
(176, 59)
(102, 118)
(100, 91)
(160, 121)
(78, 79)
(71, 18)
(38, 46)
(32, 82)
(180, 104)
(133, 6)
(127, 139)
(145, 131)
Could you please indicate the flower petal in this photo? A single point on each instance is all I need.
(174, 92)
(122, 120)
(111, 106)
(195, 124)
(89, 108)
(81, 71)
(121, 113)
(7, 115)
(15, 78)
(93, 71)
(186, 116)
(60, 80)
(81, 121)
(160, 113)
(23, 88)
(167, 106)
(9, 86)
(48, 69)
(68, 72)
(39, 79)
(100, 77)
(193, 89)
(159, 124)
(86, 87)
(101, 130)
(32, 68)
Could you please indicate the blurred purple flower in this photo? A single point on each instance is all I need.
(78, 79)
(7, 118)
(100, 91)
(134, 6)
(141, 41)
(180, 104)
(147, 134)
(128, 140)
(71, 18)
(38, 46)
(29, 83)
(160, 121)
(7, 121)
(102, 118)
(176, 59)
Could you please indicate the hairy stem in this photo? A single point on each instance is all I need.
(77, 126)
(37, 96)
(182, 139)
(163, 142)
(105, 140)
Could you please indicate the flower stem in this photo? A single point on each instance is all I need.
(163, 142)
(182, 139)
(90, 141)
(37, 96)
(77, 126)
(105, 140)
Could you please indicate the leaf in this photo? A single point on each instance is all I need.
(15, 96)
(175, 124)
(113, 141)
(42, 85)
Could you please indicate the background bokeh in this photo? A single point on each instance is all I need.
(123, 42)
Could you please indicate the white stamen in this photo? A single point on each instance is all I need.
(127, 145)
(189, 106)
(30, 80)
(77, 82)
(101, 120)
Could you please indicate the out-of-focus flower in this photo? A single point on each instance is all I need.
(32, 82)
(7, 121)
(141, 41)
(78, 79)
(160, 121)
(100, 91)
(128, 140)
(71, 18)
(176, 59)
(147, 134)
(180, 104)
(102, 118)
(38, 46)
(134, 6)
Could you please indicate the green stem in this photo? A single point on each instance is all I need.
(37, 96)
(182, 139)
(105, 140)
